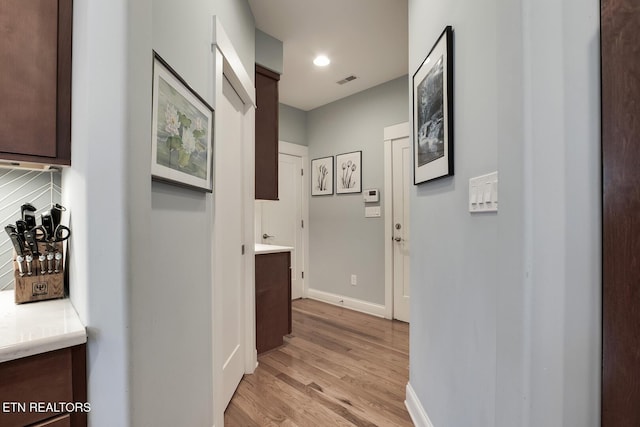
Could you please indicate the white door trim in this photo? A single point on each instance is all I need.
(398, 131)
(225, 61)
(303, 152)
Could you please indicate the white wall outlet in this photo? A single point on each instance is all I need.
(354, 280)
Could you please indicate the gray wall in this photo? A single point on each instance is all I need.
(269, 52)
(150, 312)
(41, 189)
(505, 307)
(292, 125)
(171, 303)
(341, 240)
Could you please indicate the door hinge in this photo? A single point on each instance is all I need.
(301, 172)
(302, 223)
(302, 274)
(242, 250)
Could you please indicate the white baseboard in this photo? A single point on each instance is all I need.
(351, 303)
(416, 410)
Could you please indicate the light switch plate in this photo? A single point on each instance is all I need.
(372, 212)
(483, 193)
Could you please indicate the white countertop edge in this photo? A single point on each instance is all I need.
(261, 249)
(37, 327)
(44, 345)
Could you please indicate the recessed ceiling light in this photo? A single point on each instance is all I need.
(321, 61)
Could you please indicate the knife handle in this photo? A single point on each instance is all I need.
(29, 260)
(42, 260)
(50, 262)
(58, 257)
(16, 239)
(32, 242)
(21, 226)
(20, 261)
(48, 225)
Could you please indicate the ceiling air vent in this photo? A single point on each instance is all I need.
(347, 80)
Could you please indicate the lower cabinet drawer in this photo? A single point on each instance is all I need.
(34, 389)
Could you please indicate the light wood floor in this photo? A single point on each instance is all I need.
(338, 368)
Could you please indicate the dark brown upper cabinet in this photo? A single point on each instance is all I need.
(266, 134)
(35, 81)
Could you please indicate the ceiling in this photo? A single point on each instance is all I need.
(364, 38)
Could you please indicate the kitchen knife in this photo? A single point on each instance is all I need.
(43, 267)
(56, 214)
(20, 261)
(29, 260)
(50, 262)
(32, 242)
(48, 225)
(21, 226)
(58, 257)
(28, 215)
(16, 239)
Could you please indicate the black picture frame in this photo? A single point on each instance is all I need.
(322, 176)
(433, 112)
(349, 173)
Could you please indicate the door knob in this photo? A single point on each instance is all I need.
(266, 236)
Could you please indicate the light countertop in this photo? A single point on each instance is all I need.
(37, 327)
(271, 249)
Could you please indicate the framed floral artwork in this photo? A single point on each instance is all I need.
(349, 173)
(322, 176)
(182, 131)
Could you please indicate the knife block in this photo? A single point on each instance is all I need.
(38, 286)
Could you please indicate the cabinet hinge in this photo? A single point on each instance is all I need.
(302, 223)
(303, 274)
(242, 250)
(301, 172)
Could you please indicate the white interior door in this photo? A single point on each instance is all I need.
(282, 219)
(401, 176)
(229, 236)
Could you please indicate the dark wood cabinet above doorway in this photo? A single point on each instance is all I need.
(266, 134)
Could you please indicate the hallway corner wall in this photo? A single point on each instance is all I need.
(342, 241)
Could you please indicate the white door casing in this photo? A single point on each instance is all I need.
(233, 287)
(401, 176)
(265, 210)
(399, 132)
(282, 219)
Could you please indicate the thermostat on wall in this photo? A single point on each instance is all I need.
(371, 196)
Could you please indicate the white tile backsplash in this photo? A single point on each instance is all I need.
(40, 188)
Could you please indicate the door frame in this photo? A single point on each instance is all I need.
(303, 152)
(401, 130)
(225, 62)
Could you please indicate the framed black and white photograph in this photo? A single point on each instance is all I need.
(349, 173)
(182, 131)
(322, 176)
(433, 112)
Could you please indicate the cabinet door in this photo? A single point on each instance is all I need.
(266, 134)
(61, 421)
(35, 82)
(273, 299)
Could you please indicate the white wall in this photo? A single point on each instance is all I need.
(340, 237)
(139, 266)
(505, 307)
